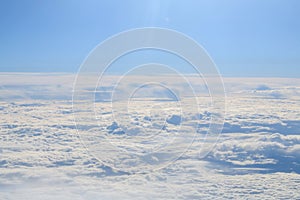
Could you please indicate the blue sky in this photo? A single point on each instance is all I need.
(245, 38)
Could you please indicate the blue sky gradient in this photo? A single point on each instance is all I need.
(244, 38)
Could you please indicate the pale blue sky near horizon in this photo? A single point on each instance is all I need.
(244, 38)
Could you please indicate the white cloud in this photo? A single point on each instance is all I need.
(42, 157)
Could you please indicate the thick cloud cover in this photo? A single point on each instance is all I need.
(42, 156)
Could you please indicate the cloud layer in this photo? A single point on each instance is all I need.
(42, 155)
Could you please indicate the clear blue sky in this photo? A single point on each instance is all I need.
(245, 38)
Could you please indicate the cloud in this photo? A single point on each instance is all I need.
(274, 152)
(42, 155)
(263, 87)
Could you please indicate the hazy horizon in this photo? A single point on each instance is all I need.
(152, 99)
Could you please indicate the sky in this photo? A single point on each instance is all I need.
(244, 38)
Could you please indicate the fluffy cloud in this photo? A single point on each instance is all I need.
(43, 156)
